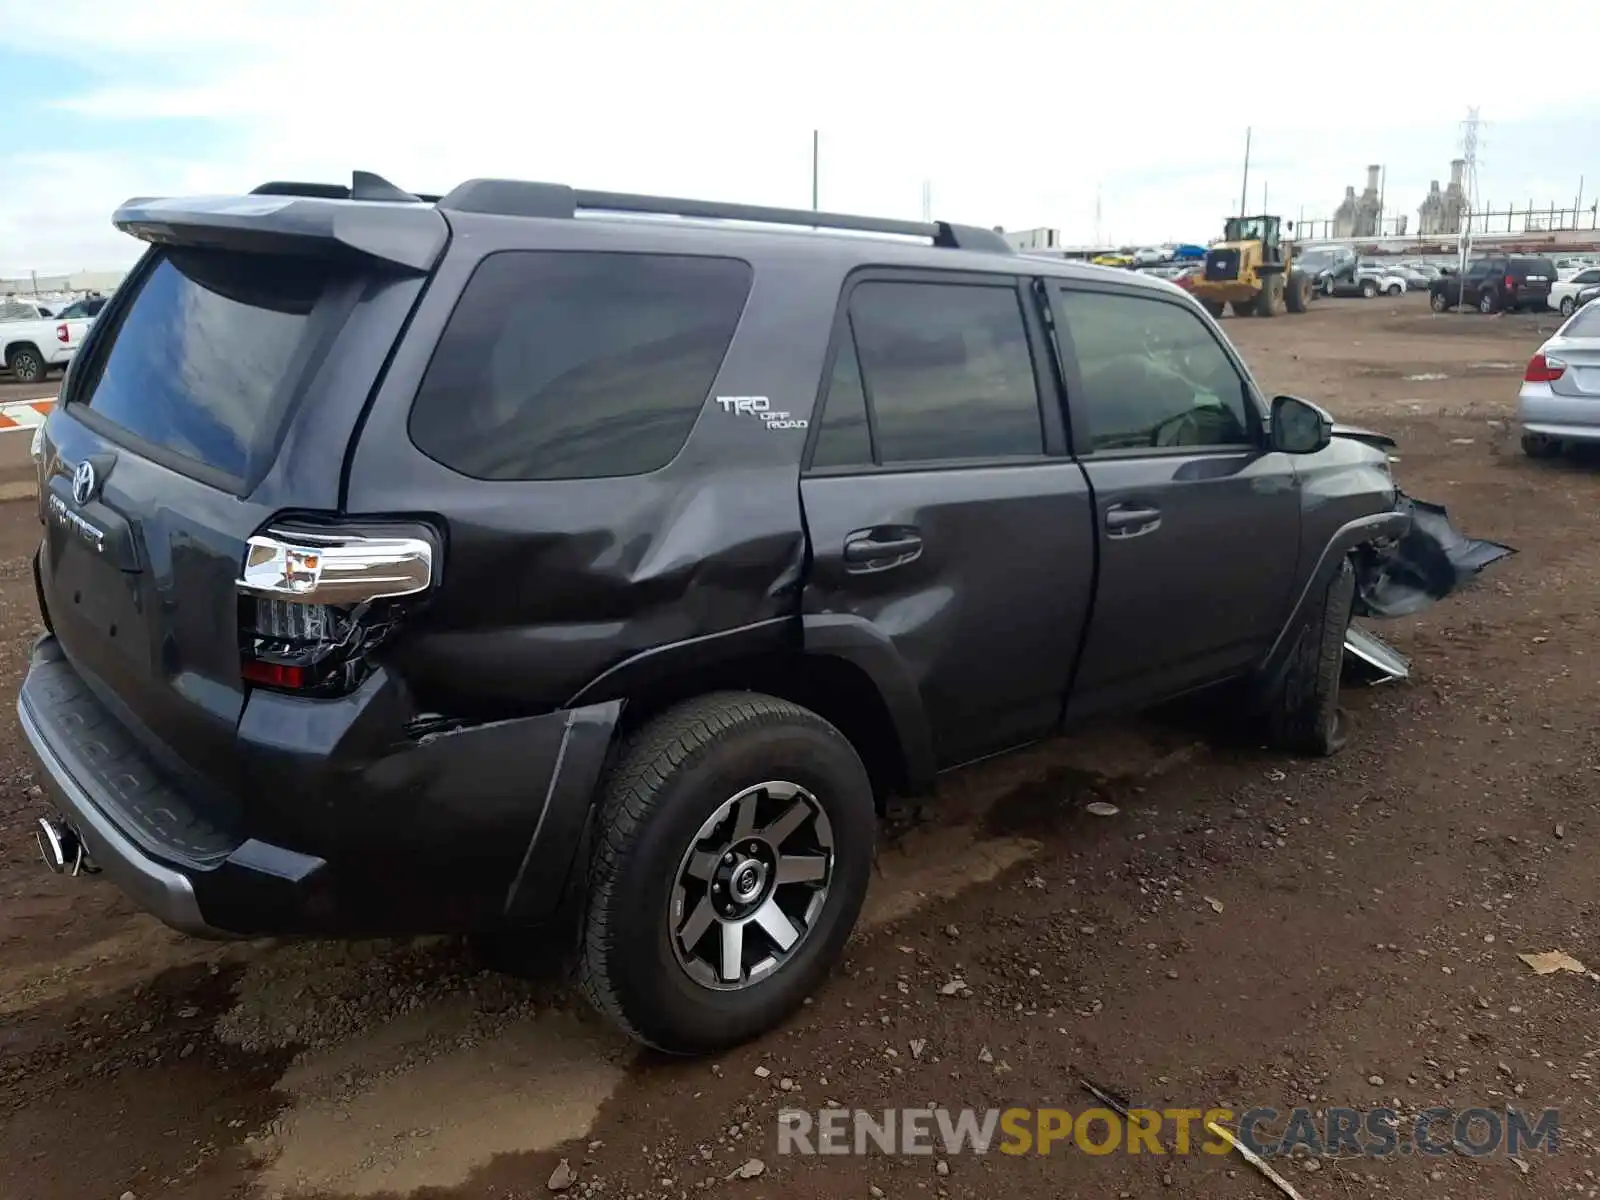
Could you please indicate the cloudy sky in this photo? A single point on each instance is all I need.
(1018, 113)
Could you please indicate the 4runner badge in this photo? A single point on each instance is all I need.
(759, 406)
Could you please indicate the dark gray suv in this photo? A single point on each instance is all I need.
(418, 564)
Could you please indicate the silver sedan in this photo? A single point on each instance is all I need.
(1560, 399)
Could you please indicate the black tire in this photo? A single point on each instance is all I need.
(1303, 717)
(1440, 302)
(1215, 307)
(1269, 300)
(1243, 308)
(1298, 297)
(669, 778)
(1568, 305)
(1327, 286)
(1488, 302)
(1394, 289)
(1369, 289)
(27, 365)
(1537, 445)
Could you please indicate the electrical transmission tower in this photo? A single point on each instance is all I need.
(1471, 130)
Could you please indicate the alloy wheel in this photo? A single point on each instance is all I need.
(751, 886)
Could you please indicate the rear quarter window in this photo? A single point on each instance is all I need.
(573, 365)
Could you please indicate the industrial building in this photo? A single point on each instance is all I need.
(1442, 212)
(76, 281)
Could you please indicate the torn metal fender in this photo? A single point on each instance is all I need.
(1421, 567)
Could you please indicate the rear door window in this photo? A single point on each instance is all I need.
(577, 365)
(203, 362)
(948, 371)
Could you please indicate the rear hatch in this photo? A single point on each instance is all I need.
(1533, 278)
(219, 388)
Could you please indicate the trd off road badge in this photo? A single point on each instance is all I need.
(759, 406)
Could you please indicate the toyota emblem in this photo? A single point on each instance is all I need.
(83, 482)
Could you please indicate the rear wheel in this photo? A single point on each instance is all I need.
(27, 365)
(1487, 302)
(1327, 285)
(1538, 445)
(1369, 289)
(1568, 305)
(1394, 289)
(1299, 294)
(1303, 716)
(733, 851)
(1215, 307)
(1439, 302)
(1244, 308)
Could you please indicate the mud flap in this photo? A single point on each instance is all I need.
(1424, 566)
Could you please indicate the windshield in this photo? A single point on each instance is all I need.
(1245, 229)
(1316, 260)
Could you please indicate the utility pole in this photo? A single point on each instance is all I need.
(1577, 204)
(816, 137)
(1244, 188)
(1263, 195)
(1383, 188)
(1469, 153)
(927, 201)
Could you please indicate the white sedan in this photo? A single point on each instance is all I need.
(1564, 292)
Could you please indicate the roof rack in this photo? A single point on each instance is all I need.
(518, 198)
(515, 198)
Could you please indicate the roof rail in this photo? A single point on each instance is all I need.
(516, 198)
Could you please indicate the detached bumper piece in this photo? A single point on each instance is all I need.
(1426, 565)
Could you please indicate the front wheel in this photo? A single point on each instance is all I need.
(1439, 302)
(1369, 289)
(1394, 289)
(734, 846)
(1487, 303)
(1215, 307)
(1303, 716)
(1568, 305)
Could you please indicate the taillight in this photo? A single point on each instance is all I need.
(1543, 369)
(63, 334)
(315, 603)
(1511, 283)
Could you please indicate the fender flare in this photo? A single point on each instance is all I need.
(862, 644)
(1345, 539)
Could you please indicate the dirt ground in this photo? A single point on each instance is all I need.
(1247, 930)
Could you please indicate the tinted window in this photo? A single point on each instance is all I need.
(577, 365)
(1153, 374)
(1592, 275)
(947, 369)
(844, 438)
(205, 358)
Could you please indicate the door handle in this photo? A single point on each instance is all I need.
(1125, 520)
(882, 548)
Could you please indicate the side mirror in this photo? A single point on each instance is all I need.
(1300, 427)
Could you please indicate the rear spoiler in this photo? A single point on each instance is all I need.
(405, 234)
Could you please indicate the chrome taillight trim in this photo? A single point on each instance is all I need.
(315, 568)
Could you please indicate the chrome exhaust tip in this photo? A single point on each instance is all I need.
(61, 848)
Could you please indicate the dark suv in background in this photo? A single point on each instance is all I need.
(418, 564)
(1496, 283)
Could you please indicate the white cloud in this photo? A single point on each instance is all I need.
(1017, 111)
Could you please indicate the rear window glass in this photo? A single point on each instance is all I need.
(569, 365)
(203, 361)
(1585, 322)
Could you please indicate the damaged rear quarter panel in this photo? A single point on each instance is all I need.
(547, 584)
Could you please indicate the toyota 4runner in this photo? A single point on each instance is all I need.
(427, 564)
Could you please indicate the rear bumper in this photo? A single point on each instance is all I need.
(1539, 410)
(465, 830)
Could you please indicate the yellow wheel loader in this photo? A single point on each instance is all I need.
(1252, 271)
